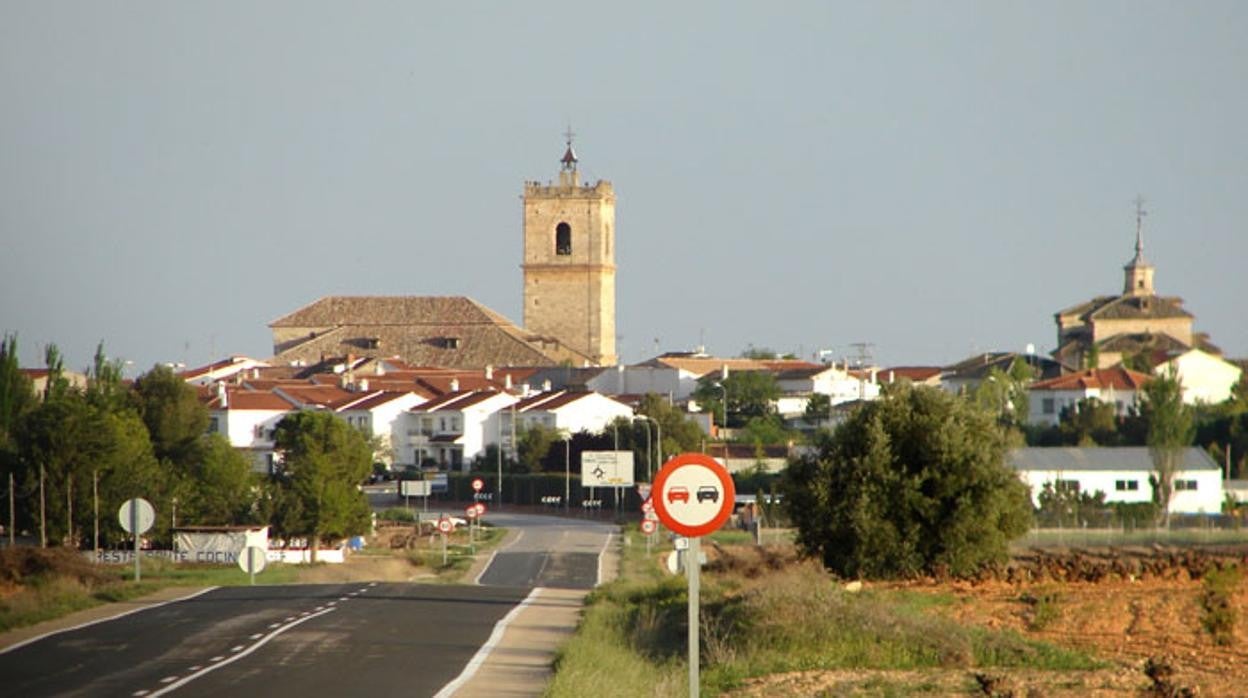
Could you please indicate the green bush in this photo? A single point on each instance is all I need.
(1219, 615)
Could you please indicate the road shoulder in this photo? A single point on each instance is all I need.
(96, 614)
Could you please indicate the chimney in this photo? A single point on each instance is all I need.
(546, 386)
(507, 382)
(489, 372)
(223, 396)
(454, 385)
(363, 385)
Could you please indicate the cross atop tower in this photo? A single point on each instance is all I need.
(569, 156)
(1139, 227)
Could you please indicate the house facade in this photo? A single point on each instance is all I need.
(1205, 378)
(452, 430)
(1116, 386)
(1122, 474)
(382, 414)
(247, 419)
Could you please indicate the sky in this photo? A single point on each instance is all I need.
(930, 179)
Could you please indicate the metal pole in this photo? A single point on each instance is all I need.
(134, 529)
(693, 558)
(658, 445)
(12, 512)
(567, 474)
(69, 509)
(43, 512)
(95, 496)
(251, 564)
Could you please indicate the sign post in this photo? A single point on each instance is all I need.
(444, 525)
(136, 516)
(695, 496)
(252, 559)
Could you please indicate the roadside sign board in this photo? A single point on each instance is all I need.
(251, 559)
(477, 484)
(643, 490)
(415, 488)
(137, 514)
(648, 526)
(470, 511)
(695, 494)
(444, 525)
(607, 469)
(480, 508)
(439, 482)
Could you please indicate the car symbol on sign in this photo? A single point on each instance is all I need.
(706, 492)
(678, 494)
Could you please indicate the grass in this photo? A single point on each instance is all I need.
(1099, 537)
(1218, 614)
(762, 615)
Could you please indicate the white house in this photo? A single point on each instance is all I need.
(224, 369)
(1205, 378)
(566, 410)
(383, 414)
(247, 419)
(453, 429)
(1122, 474)
(1115, 386)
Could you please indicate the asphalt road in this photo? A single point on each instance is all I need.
(310, 640)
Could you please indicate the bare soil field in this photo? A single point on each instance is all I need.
(1140, 611)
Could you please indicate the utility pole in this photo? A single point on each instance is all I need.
(43, 512)
(69, 509)
(95, 496)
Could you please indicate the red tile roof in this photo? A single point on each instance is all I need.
(1118, 378)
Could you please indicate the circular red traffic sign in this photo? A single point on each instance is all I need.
(480, 508)
(477, 484)
(444, 525)
(648, 505)
(693, 494)
(648, 526)
(470, 511)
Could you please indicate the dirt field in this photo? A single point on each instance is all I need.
(1129, 623)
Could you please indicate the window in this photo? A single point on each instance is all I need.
(1180, 485)
(1048, 405)
(1127, 485)
(1067, 486)
(563, 239)
(212, 425)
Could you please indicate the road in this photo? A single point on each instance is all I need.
(312, 640)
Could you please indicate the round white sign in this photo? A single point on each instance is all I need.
(136, 511)
(647, 526)
(478, 484)
(444, 525)
(252, 559)
(693, 494)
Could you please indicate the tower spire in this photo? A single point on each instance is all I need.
(1139, 273)
(1139, 228)
(569, 156)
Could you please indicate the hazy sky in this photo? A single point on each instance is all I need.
(934, 178)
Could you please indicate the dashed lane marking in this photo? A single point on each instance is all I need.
(169, 679)
(217, 658)
(238, 648)
(197, 667)
(257, 636)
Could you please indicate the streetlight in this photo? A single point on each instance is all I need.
(567, 468)
(659, 428)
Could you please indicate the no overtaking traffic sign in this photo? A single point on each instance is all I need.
(693, 495)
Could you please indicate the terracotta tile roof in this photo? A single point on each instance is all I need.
(702, 365)
(371, 400)
(1140, 308)
(1118, 378)
(241, 399)
(455, 402)
(323, 395)
(918, 374)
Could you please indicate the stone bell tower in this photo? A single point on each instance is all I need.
(569, 261)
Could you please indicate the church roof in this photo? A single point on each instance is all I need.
(1140, 308)
(449, 331)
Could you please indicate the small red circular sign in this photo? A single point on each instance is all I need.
(444, 525)
(471, 511)
(480, 508)
(648, 527)
(693, 495)
(477, 484)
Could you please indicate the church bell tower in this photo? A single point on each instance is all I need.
(569, 261)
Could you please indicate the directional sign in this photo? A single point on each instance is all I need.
(694, 494)
(444, 525)
(415, 488)
(136, 511)
(643, 489)
(607, 469)
(648, 526)
(477, 484)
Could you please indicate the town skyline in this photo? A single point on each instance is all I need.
(935, 182)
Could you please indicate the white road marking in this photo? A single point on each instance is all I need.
(37, 638)
(479, 658)
(237, 648)
(195, 668)
(169, 679)
(289, 618)
(343, 598)
(140, 693)
(372, 584)
(490, 561)
(236, 657)
(257, 636)
(274, 625)
(332, 603)
(217, 658)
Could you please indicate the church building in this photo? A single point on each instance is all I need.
(1137, 321)
(569, 299)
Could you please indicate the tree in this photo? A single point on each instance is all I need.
(914, 482)
(1171, 428)
(317, 484)
(174, 416)
(17, 393)
(748, 394)
(222, 488)
(533, 443)
(1089, 422)
(818, 408)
